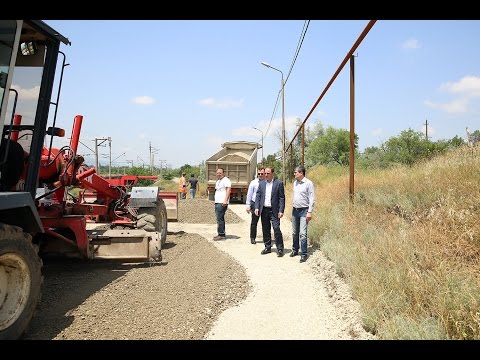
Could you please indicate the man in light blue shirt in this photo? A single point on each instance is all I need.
(250, 202)
(302, 207)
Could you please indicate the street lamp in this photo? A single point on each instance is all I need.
(262, 141)
(283, 119)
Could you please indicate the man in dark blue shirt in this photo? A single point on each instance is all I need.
(193, 186)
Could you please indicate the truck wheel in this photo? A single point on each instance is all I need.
(211, 195)
(154, 219)
(20, 281)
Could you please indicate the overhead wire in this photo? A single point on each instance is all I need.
(297, 51)
(299, 46)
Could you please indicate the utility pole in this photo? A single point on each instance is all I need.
(426, 129)
(97, 144)
(153, 151)
(161, 164)
(110, 157)
(96, 156)
(143, 162)
(150, 152)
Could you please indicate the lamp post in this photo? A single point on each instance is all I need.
(283, 119)
(262, 141)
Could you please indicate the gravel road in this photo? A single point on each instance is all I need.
(202, 290)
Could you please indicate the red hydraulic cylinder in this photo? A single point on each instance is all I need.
(75, 138)
(17, 120)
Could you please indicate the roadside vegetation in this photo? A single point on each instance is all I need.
(409, 243)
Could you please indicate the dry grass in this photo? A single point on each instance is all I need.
(409, 246)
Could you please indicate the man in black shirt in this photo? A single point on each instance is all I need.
(193, 186)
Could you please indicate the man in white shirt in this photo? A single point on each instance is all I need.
(223, 186)
(302, 207)
(250, 202)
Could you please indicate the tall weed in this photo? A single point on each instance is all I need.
(408, 245)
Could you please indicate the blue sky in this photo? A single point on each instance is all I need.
(187, 86)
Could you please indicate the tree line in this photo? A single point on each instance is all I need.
(330, 146)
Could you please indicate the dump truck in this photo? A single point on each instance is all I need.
(239, 161)
(39, 215)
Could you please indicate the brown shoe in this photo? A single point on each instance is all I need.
(219, 237)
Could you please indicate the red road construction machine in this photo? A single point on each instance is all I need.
(39, 215)
(130, 180)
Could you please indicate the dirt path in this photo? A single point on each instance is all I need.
(289, 300)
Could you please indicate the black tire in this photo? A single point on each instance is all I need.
(154, 219)
(20, 281)
(211, 195)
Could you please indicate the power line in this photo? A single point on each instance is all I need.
(297, 51)
(299, 46)
(274, 112)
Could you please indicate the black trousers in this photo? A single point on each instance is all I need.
(254, 222)
(270, 220)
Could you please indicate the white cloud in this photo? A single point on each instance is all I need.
(291, 124)
(377, 132)
(221, 104)
(215, 140)
(321, 113)
(274, 128)
(431, 130)
(142, 136)
(143, 100)
(452, 107)
(247, 131)
(411, 44)
(27, 94)
(468, 85)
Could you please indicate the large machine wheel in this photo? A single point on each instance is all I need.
(154, 219)
(20, 281)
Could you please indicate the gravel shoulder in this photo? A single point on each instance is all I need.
(201, 290)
